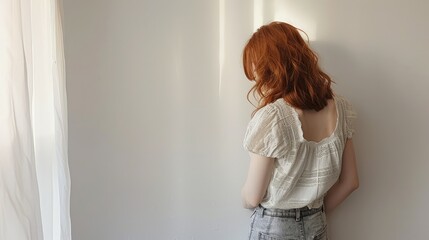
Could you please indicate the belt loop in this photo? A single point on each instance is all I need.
(297, 214)
(263, 210)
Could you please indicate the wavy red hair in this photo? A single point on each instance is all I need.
(282, 65)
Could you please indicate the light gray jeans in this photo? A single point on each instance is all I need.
(291, 224)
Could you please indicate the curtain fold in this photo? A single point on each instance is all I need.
(62, 175)
(34, 173)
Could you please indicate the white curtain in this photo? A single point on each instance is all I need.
(34, 173)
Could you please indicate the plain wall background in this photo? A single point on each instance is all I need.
(156, 122)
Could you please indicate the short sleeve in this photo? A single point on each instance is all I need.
(351, 115)
(264, 134)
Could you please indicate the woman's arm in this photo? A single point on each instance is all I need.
(258, 177)
(347, 182)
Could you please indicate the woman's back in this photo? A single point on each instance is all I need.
(318, 125)
(307, 146)
(302, 159)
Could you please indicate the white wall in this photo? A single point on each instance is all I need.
(143, 95)
(155, 125)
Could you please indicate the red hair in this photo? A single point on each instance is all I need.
(282, 65)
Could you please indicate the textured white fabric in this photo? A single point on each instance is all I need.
(304, 170)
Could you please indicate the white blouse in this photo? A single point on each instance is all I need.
(304, 170)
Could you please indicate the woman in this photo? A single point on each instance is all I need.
(299, 139)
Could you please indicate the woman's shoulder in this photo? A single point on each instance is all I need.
(276, 110)
(340, 98)
(343, 102)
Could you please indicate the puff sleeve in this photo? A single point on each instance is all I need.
(264, 135)
(351, 115)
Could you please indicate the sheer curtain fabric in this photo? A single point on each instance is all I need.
(34, 173)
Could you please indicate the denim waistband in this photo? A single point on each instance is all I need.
(288, 213)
